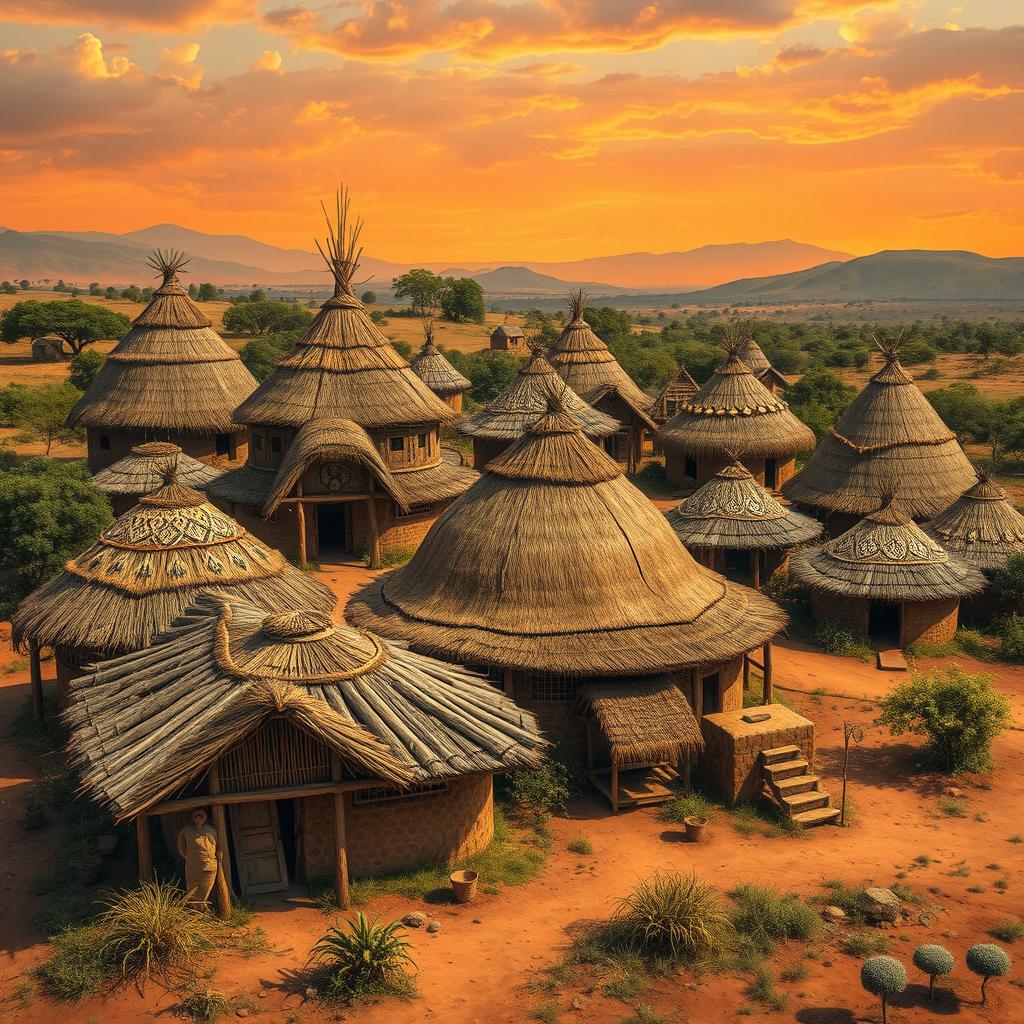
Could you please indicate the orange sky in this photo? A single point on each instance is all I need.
(539, 129)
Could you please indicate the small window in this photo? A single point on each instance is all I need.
(396, 444)
(105, 442)
(691, 467)
(550, 687)
(275, 445)
(257, 442)
(223, 443)
(421, 440)
(387, 794)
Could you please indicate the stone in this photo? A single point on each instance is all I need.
(953, 792)
(577, 1003)
(880, 905)
(261, 995)
(834, 914)
(434, 927)
(417, 919)
(243, 1012)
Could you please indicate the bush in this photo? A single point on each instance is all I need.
(987, 961)
(544, 790)
(1007, 582)
(83, 368)
(835, 638)
(679, 808)
(883, 976)
(583, 846)
(367, 960)
(764, 917)
(865, 943)
(1011, 638)
(959, 714)
(934, 961)
(75, 968)
(763, 989)
(1008, 931)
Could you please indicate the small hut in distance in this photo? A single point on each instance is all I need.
(509, 338)
(437, 373)
(681, 387)
(753, 355)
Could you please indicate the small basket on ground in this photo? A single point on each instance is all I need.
(464, 885)
(695, 827)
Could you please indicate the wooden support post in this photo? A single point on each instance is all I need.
(767, 692)
(615, 788)
(222, 885)
(300, 516)
(371, 509)
(507, 684)
(755, 568)
(36, 675)
(746, 672)
(145, 850)
(341, 883)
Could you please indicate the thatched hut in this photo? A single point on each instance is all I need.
(733, 412)
(553, 572)
(528, 397)
(170, 378)
(344, 439)
(733, 525)
(681, 387)
(584, 362)
(324, 751)
(144, 570)
(753, 356)
(890, 434)
(147, 469)
(509, 338)
(887, 579)
(437, 373)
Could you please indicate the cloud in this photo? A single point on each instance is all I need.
(268, 60)
(86, 56)
(874, 28)
(179, 64)
(132, 14)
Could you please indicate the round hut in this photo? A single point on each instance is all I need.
(323, 751)
(886, 579)
(733, 411)
(437, 373)
(583, 361)
(753, 356)
(733, 525)
(889, 434)
(526, 399)
(345, 454)
(147, 469)
(554, 573)
(144, 571)
(170, 378)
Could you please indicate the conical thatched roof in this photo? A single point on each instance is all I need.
(889, 440)
(148, 566)
(435, 371)
(981, 527)
(171, 371)
(733, 511)
(527, 398)
(146, 724)
(752, 355)
(553, 561)
(887, 557)
(149, 467)
(734, 411)
(583, 361)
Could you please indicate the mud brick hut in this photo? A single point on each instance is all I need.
(583, 361)
(886, 579)
(890, 435)
(437, 373)
(733, 525)
(170, 378)
(581, 583)
(344, 439)
(509, 338)
(753, 356)
(526, 399)
(145, 569)
(146, 469)
(323, 751)
(733, 412)
(680, 388)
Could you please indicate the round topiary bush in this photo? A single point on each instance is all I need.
(934, 961)
(988, 961)
(883, 976)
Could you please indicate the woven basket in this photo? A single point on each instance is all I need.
(464, 885)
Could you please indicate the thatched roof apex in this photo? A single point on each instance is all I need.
(431, 366)
(148, 468)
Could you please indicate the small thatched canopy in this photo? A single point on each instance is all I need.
(734, 411)
(753, 356)
(553, 561)
(148, 566)
(435, 371)
(171, 371)
(890, 438)
(149, 467)
(644, 722)
(885, 557)
(680, 388)
(981, 527)
(526, 399)
(583, 361)
(732, 511)
(146, 724)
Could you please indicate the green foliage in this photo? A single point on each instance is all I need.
(883, 976)
(763, 989)
(545, 790)
(489, 372)
(1008, 582)
(644, 1014)
(422, 288)
(462, 299)
(266, 316)
(42, 415)
(1011, 638)
(959, 715)
(75, 968)
(1008, 931)
(368, 298)
(367, 960)
(935, 961)
(953, 808)
(83, 368)
(76, 323)
(690, 805)
(964, 410)
(819, 398)
(13, 398)
(207, 292)
(917, 350)
(865, 943)
(987, 961)
(763, 917)
(581, 845)
(836, 638)
(262, 354)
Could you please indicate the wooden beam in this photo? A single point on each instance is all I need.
(746, 672)
(329, 499)
(300, 515)
(768, 694)
(251, 796)
(341, 880)
(145, 849)
(222, 884)
(507, 683)
(371, 508)
(615, 788)
(36, 675)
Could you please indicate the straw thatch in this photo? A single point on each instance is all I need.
(981, 527)
(680, 388)
(146, 724)
(885, 557)
(148, 468)
(734, 411)
(583, 361)
(644, 722)
(890, 440)
(732, 511)
(526, 399)
(170, 372)
(148, 566)
(553, 561)
(753, 356)
(434, 370)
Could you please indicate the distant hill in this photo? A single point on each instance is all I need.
(524, 281)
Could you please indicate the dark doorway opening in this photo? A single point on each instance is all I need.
(691, 468)
(737, 566)
(711, 701)
(771, 474)
(884, 623)
(332, 530)
(286, 827)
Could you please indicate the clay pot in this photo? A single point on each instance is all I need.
(464, 885)
(695, 827)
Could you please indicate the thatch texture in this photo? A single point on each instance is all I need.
(885, 557)
(753, 356)
(148, 566)
(981, 527)
(553, 561)
(890, 440)
(734, 411)
(149, 467)
(171, 371)
(527, 398)
(680, 388)
(733, 511)
(146, 724)
(431, 366)
(644, 722)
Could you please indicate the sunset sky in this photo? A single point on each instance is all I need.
(540, 129)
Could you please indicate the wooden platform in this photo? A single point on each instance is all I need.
(892, 660)
(639, 786)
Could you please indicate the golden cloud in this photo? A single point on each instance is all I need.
(132, 14)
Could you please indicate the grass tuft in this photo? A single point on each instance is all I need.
(580, 845)
(953, 808)
(864, 944)
(763, 917)
(1008, 931)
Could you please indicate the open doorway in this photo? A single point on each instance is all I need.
(333, 531)
(711, 694)
(771, 474)
(884, 623)
(738, 566)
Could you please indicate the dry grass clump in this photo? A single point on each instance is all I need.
(763, 917)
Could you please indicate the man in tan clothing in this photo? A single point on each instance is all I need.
(197, 843)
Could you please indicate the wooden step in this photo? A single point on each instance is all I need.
(785, 769)
(776, 754)
(819, 816)
(892, 661)
(795, 784)
(805, 801)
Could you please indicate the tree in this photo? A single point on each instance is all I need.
(462, 299)
(883, 976)
(7, 288)
(819, 398)
(935, 961)
(423, 289)
(1008, 431)
(133, 293)
(193, 291)
(368, 298)
(12, 399)
(83, 368)
(262, 354)
(24, 283)
(44, 413)
(489, 371)
(1007, 582)
(266, 316)
(207, 292)
(964, 410)
(987, 960)
(94, 288)
(76, 323)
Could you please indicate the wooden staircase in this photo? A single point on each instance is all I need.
(790, 784)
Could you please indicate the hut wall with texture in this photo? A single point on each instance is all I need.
(485, 449)
(930, 622)
(200, 446)
(852, 612)
(675, 469)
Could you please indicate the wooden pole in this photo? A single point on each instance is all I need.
(768, 693)
(615, 787)
(341, 882)
(36, 675)
(755, 559)
(222, 886)
(746, 672)
(507, 683)
(371, 509)
(300, 516)
(145, 850)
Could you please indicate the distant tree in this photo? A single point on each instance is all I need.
(207, 292)
(542, 326)
(488, 371)
(819, 398)
(423, 289)
(133, 293)
(83, 368)
(193, 291)
(43, 415)
(1007, 582)
(12, 399)
(94, 288)
(263, 353)
(7, 288)
(265, 317)
(110, 292)
(378, 317)
(462, 299)
(368, 298)
(60, 286)
(24, 283)
(403, 348)
(76, 323)
(968, 413)
(1008, 431)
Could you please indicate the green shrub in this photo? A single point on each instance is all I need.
(75, 968)
(692, 805)
(848, 898)
(953, 808)
(1011, 638)
(1008, 931)
(934, 961)
(883, 976)
(763, 989)
(367, 960)
(987, 961)
(1008, 582)
(865, 943)
(763, 917)
(544, 790)
(836, 638)
(795, 972)
(581, 845)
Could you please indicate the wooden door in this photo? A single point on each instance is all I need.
(259, 852)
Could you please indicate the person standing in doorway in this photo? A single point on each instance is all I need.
(197, 844)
